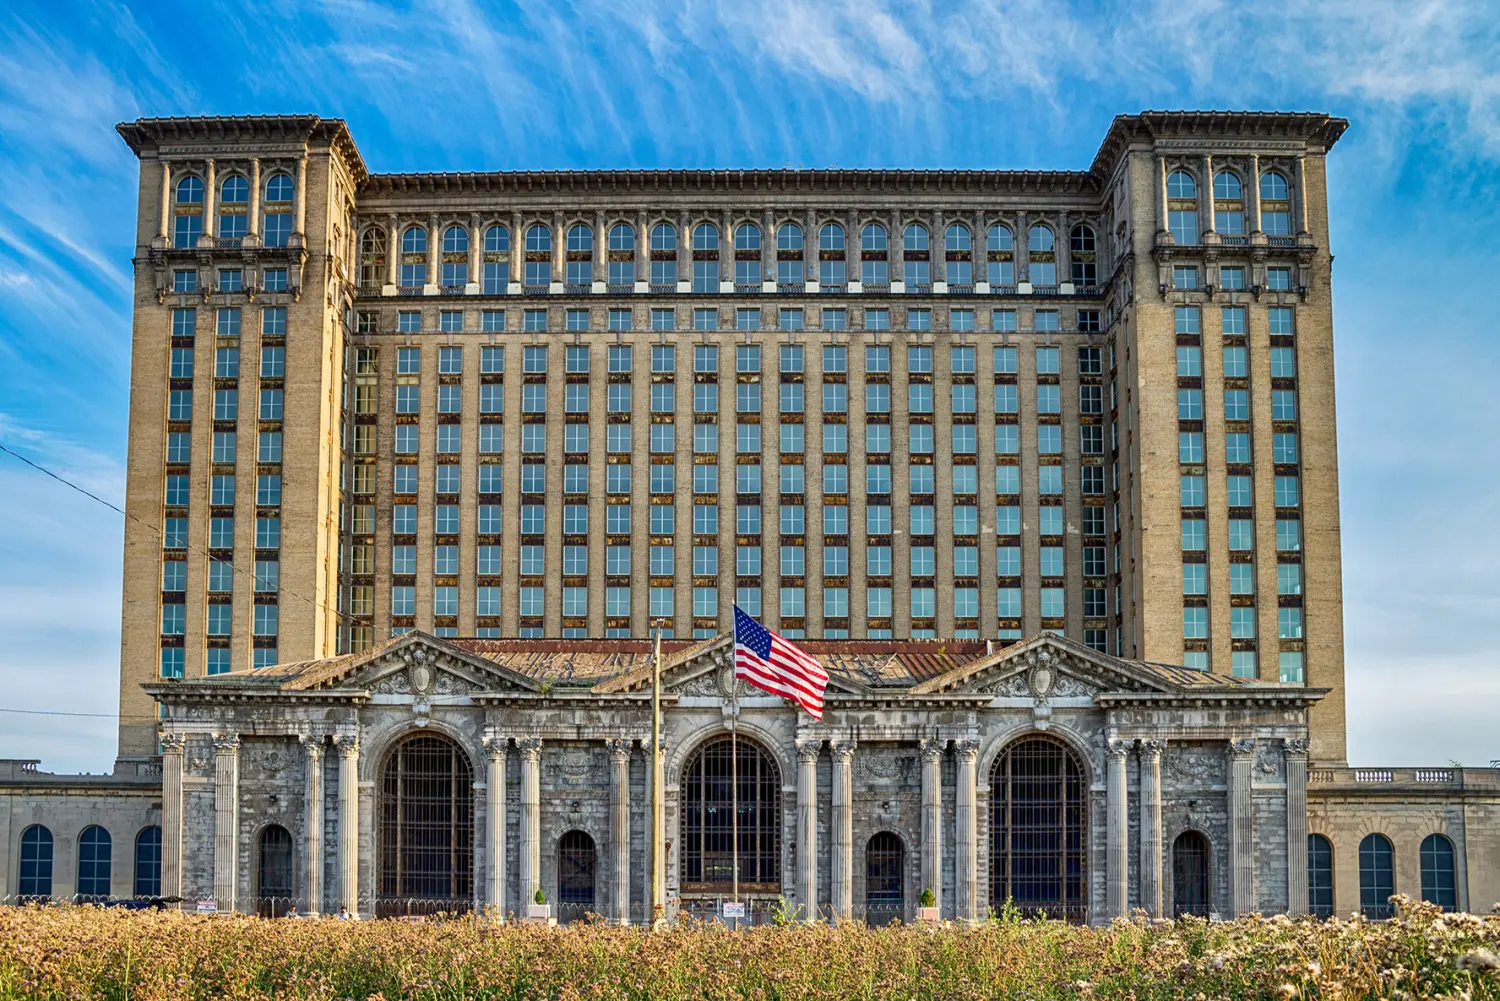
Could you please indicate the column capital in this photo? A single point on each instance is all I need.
(496, 747)
(348, 744)
(1118, 749)
(1296, 747)
(967, 749)
(1152, 747)
(1241, 747)
(530, 748)
(619, 747)
(808, 750)
(312, 743)
(842, 750)
(931, 748)
(226, 743)
(172, 743)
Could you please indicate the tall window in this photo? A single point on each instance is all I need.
(187, 225)
(576, 858)
(148, 862)
(36, 862)
(1377, 878)
(1438, 883)
(1182, 207)
(707, 848)
(273, 883)
(95, 855)
(885, 871)
(277, 231)
(1085, 257)
(1190, 875)
(426, 828)
(1319, 876)
(1039, 830)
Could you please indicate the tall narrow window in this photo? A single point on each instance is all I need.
(1377, 878)
(1039, 830)
(1319, 876)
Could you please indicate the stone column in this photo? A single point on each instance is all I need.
(348, 745)
(392, 249)
(726, 249)
(302, 197)
(937, 252)
(476, 251)
(810, 249)
(494, 780)
(807, 825)
(843, 829)
(966, 835)
(932, 819)
(895, 252)
(171, 813)
(600, 263)
(1151, 847)
(1023, 248)
(312, 832)
(1241, 828)
(164, 228)
(1117, 831)
(619, 826)
(253, 223)
(1301, 196)
(1296, 826)
(1206, 195)
(210, 193)
(226, 818)
(853, 241)
(642, 248)
(559, 248)
(1252, 193)
(684, 248)
(434, 249)
(531, 817)
(768, 247)
(1161, 196)
(1064, 248)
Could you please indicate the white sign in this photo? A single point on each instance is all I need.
(208, 907)
(733, 910)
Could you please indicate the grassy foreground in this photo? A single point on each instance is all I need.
(82, 952)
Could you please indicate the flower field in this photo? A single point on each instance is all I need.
(82, 952)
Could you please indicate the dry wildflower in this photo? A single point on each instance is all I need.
(1479, 960)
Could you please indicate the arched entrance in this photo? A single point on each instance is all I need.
(885, 882)
(426, 832)
(1039, 824)
(1190, 875)
(273, 883)
(705, 829)
(575, 876)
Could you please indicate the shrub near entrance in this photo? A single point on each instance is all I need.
(83, 952)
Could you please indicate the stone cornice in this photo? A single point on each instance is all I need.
(1257, 696)
(1315, 131)
(148, 134)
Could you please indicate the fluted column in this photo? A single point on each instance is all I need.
(172, 745)
(1296, 826)
(1241, 828)
(843, 829)
(619, 826)
(1117, 831)
(312, 831)
(932, 819)
(164, 227)
(807, 825)
(684, 248)
(348, 745)
(1151, 846)
(226, 818)
(301, 195)
(531, 817)
(494, 780)
(1064, 245)
(966, 835)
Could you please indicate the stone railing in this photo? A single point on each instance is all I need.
(1427, 779)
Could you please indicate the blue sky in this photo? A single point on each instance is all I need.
(457, 85)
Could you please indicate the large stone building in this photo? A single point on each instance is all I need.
(418, 461)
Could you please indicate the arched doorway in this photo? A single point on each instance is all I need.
(705, 829)
(1039, 824)
(273, 872)
(1190, 875)
(575, 876)
(426, 832)
(885, 883)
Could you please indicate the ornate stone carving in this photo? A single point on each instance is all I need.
(1152, 747)
(1241, 747)
(496, 747)
(271, 757)
(1295, 747)
(530, 748)
(808, 750)
(348, 744)
(1043, 674)
(1012, 686)
(880, 766)
(708, 683)
(619, 747)
(172, 743)
(1068, 687)
(842, 749)
(931, 749)
(1188, 764)
(575, 763)
(967, 748)
(1120, 748)
(200, 759)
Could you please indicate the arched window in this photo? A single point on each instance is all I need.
(454, 267)
(273, 872)
(1275, 205)
(1038, 830)
(706, 236)
(1439, 884)
(1190, 875)
(1229, 205)
(1085, 257)
(1040, 239)
(425, 839)
(1000, 238)
(190, 191)
(915, 237)
(455, 240)
(188, 226)
(747, 237)
(279, 188)
(538, 238)
(1181, 185)
(233, 194)
(1377, 877)
(95, 853)
(580, 238)
(1273, 187)
(234, 190)
(707, 849)
(1227, 185)
(872, 237)
(36, 863)
(1041, 256)
(831, 237)
(148, 862)
(496, 240)
(789, 236)
(575, 876)
(1182, 207)
(622, 237)
(957, 239)
(414, 240)
(277, 228)
(885, 879)
(1319, 876)
(372, 258)
(663, 236)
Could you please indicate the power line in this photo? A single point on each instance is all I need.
(43, 712)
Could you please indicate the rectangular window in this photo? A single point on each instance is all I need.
(1187, 319)
(877, 319)
(1279, 320)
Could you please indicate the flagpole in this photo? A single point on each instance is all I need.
(653, 907)
(734, 785)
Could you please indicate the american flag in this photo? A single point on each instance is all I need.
(774, 665)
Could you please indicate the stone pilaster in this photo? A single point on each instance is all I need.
(172, 745)
(392, 250)
(1117, 831)
(932, 818)
(312, 827)
(1151, 835)
(619, 826)
(226, 818)
(531, 817)
(434, 249)
(210, 197)
(348, 745)
(164, 223)
(807, 825)
(301, 196)
(966, 834)
(1241, 828)
(252, 224)
(1296, 826)
(843, 829)
(1252, 194)
(1206, 196)
(495, 749)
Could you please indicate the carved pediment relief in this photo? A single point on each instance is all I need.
(421, 667)
(1043, 669)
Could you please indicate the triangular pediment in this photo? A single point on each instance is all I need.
(1046, 666)
(704, 669)
(415, 664)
